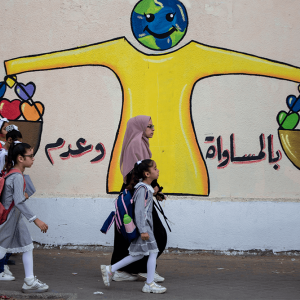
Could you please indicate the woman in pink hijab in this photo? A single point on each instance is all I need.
(136, 143)
(135, 148)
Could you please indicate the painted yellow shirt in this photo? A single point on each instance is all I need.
(160, 86)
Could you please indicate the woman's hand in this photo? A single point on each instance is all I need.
(156, 189)
(145, 236)
(40, 224)
(26, 196)
(160, 197)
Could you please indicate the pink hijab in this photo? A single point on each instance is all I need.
(135, 145)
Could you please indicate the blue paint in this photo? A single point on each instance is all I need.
(293, 103)
(2, 89)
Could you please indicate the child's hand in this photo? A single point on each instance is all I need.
(26, 196)
(145, 236)
(40, 224)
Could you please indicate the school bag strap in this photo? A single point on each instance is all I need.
(162, 212)
(158, 206)
(14, 171)
(146, 192)
(4, 212)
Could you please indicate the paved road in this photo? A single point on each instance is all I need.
(188, 276)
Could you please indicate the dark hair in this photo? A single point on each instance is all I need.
(2, 126)
(14, 135)
(139, 172)
(13, 152)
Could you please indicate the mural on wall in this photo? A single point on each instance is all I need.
(31, 112)
(160, 85)
(227, 156)
(81, 150)
(289, 136)
(159, 25)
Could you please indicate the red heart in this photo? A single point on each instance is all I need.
(10, 109)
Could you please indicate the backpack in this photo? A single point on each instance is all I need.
(4, 212)
(123, 216)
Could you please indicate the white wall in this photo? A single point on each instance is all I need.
(250, 206)
(198, 224)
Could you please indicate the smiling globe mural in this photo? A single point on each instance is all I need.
(160, 85)
(159, 25)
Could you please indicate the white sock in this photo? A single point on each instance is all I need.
(28, 264)
(151, 265)
(125, 262)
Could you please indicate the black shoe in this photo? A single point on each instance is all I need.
(11, 262)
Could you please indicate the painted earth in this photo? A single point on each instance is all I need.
(159, 25)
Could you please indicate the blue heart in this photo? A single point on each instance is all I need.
(25, 92)
(293, 103)
(2, 89)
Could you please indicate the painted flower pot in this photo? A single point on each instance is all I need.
(290, 143)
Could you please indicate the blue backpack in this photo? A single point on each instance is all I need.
(123, 216)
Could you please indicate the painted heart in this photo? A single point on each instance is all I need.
(29, 111)
(10, 109)
(11, 80)
(2, 89)
(287, 121)
(293, 103)
(25, 92)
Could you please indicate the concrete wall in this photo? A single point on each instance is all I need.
(239, 205)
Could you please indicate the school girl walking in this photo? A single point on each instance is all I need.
(139, 131)
(14, 235)
(13, 135)
(145, 245)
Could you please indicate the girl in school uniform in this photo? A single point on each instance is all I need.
(3, 132)
(136, 147)
(14, 235)
(145, 245)
(13, 134)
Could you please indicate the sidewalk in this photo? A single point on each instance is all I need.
(188, 276)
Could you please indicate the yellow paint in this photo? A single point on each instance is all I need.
(158, 3)
(290, 141)
(29, 111)
(160, 86)
(11, 81)
(181, 11)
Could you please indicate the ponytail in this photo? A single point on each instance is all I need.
(14, 134)
(13, 152)
(139, 172)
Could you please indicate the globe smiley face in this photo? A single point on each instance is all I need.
(159, 24)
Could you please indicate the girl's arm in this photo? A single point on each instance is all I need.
(19, 198)
(139, 209)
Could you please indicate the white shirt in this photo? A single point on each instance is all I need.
(3, 154)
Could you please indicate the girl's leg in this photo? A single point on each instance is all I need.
(2, 262)
(107, 271)
(151, 265)
(7, 256)
(120, 251)
(125, 262)
(28, 264)
(3, 273)
(31, 283)
(150, 286)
